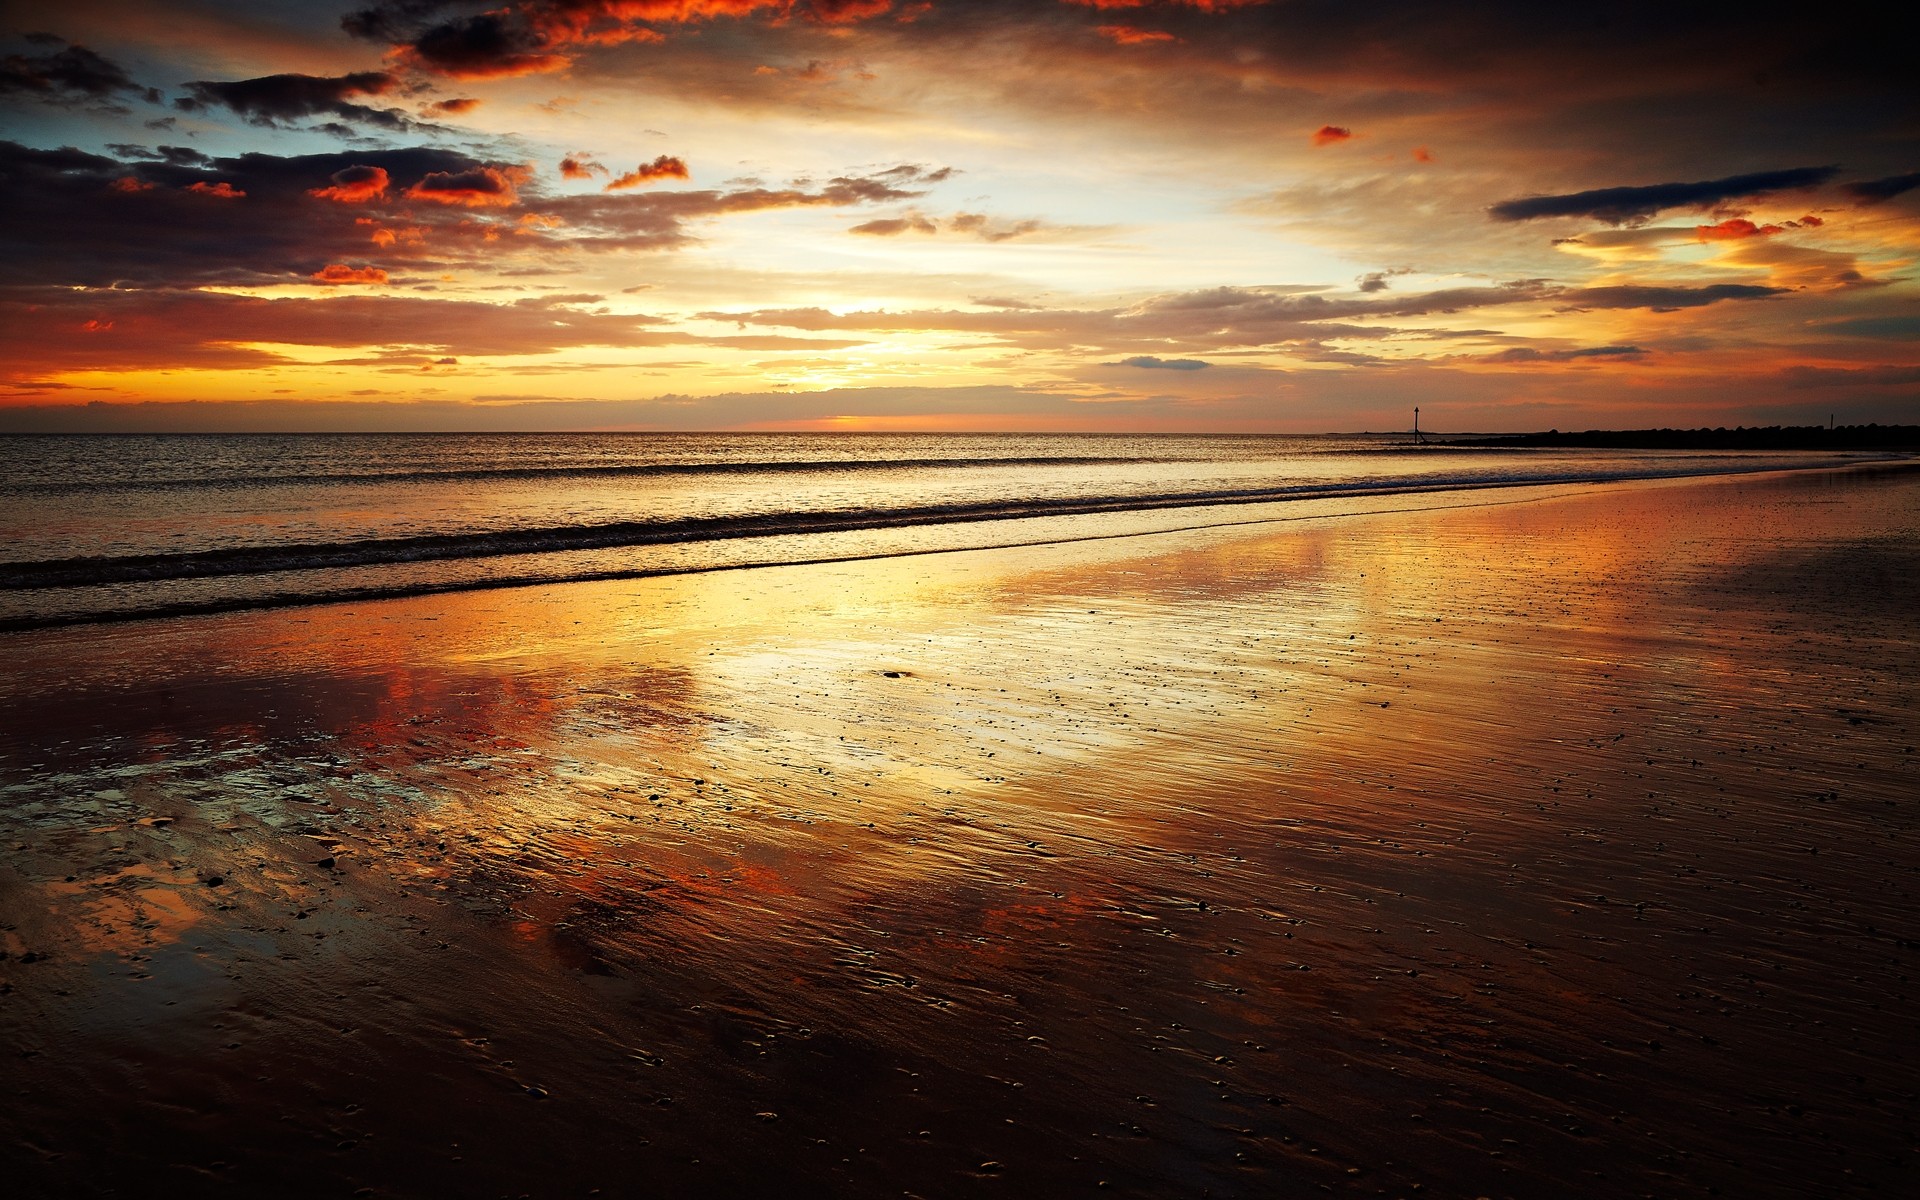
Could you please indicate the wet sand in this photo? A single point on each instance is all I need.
(1556, 843)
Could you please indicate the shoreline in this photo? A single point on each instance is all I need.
(1502, 849)
(1065, 512)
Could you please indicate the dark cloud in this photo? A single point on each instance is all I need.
(1376, 281)
(1873, 191)
(487, 45)
(1214, 319)
(407, 413)
(1893, 328)
(394, 20)
(530, 37)
(273, 100)
(1625, 205)
(68, 75)
(181, 156)
(89, 220)
(1527, 354)
(657, 220)
(48, 330)
(973, 225)
(1891, 375)
(1162, 364)
(1664, 299)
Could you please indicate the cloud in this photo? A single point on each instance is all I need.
(88, 220)
(1733, 229)
(1210, 6)
(844, 12)
(355, 185)
(580, 166)
(457, 106)
(1875, 191)
(894, 226)
(1891, 375)
(1162, 364)
(1376, 281)
(1628, 205)
(1890, 328)
(1133, 35)
(83, 219)
(657, 220)
(531, 37)
(664, 167)
(532, 413)
(1527, 354)
(1213, 320)
(68, 76)
(981, 226)
(1002, 302)
(276, 100)
(1329, 135)
(477, 187)
(184, 156)
(41, 329)
(342, 273)
(975, 225)
(491, 45)
(1664, 299)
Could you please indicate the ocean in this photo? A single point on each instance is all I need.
(101, 528)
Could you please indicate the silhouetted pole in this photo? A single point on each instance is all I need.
(1416, 425)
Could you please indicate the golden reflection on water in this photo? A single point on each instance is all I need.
(1205, 814)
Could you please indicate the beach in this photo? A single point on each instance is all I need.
(1542, 840)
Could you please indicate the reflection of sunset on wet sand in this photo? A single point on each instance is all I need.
(1546, 841)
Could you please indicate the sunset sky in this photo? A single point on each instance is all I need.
(1287, 216)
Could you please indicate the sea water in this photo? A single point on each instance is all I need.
(116, 527)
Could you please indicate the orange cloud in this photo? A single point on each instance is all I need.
(458, 106)
(219, 191)
(355, 185)
(480, 187)
(1129, 35)
(1422, 154)
(664, 167)
(580, 166)
(129, 185)
(342, 273)
(1733, 230)
(1327, 135)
